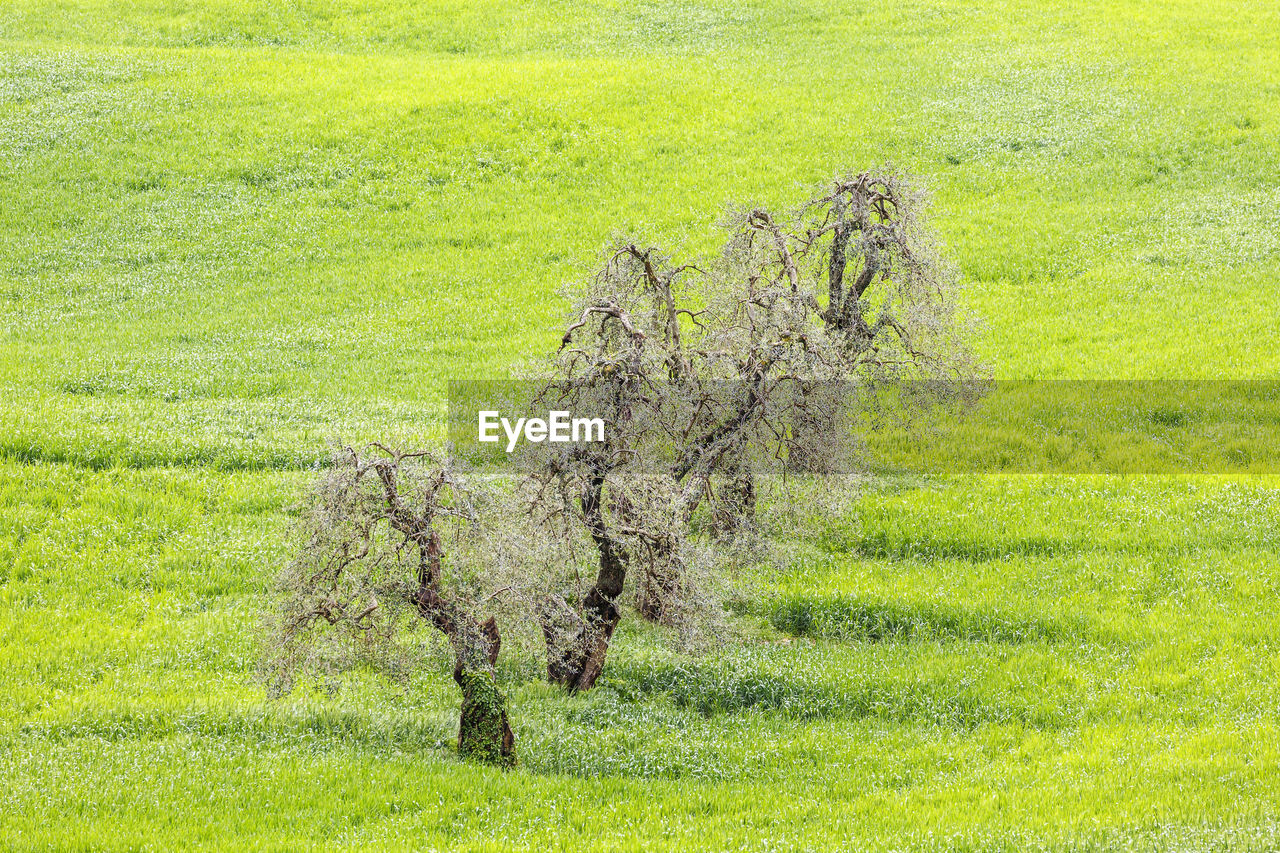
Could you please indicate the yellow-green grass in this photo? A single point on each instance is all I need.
(234, 231)
(1085, 662)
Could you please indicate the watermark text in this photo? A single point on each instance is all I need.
(557, 427)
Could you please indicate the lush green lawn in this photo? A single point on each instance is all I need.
(232, 232)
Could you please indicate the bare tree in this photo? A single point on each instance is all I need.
(705, 372)
(390, 540)
(707, 375)
(860, 262)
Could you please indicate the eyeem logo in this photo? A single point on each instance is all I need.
(558, 427)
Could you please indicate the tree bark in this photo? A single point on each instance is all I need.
(484, 731)
(591, 646)
(836, 265)
(577, 660)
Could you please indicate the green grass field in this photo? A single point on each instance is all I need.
(235, 230)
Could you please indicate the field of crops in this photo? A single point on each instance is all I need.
(235, 230)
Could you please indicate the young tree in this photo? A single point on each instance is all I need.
(388, 541)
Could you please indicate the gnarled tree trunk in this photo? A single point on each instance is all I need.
(484, 731)
(575, 657)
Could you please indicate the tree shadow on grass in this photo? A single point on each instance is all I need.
(851, 618)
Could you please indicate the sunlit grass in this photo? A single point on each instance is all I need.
(967, 656)
(235, 231)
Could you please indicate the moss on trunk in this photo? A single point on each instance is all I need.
(484, 732)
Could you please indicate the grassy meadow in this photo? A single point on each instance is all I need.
(235, 230)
